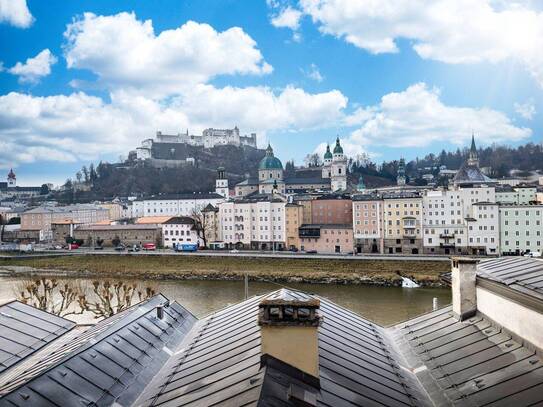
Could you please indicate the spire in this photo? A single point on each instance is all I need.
(328, 154)
(361, 186)
(11, 174)
(338, 149)
(473, 159)
(269, 150)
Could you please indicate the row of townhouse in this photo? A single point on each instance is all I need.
(457, 221)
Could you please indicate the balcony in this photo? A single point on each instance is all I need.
(446, 235)
(447, 245)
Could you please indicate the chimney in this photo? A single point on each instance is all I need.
(464, 295)
(289, 325)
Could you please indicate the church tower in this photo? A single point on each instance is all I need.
(339, 168)
(400, 177)
(473, 159)
(12, 179)
(327, 167)
(221, 183)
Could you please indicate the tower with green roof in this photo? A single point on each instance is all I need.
(327, 167)
(338, 168)
(270, 172)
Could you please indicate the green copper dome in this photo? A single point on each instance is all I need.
(270, 162)
(328, 154)
(338, 149)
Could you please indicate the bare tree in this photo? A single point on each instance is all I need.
(313, 160)
(56, 297)
(113, 297)
(69, 297)
(202, 224)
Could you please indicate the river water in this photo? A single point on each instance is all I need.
(383, 305)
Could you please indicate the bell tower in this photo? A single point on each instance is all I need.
(12, 179)
(221, 183)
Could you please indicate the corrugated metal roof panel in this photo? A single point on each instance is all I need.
(221, 362)
(111, 361)
(25, 329)
(471, 362)
(518, 273)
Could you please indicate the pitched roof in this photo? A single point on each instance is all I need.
(521, 274)
(471, 363)
(26, 329)
(109, 362)
(188, 196)
(220, 363)
(471, 174)
(146, 220)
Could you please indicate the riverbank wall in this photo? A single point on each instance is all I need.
(371, 271)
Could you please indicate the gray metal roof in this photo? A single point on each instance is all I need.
(471, 174)
(25, 329)
(518, 273)
(220, 363)
(109, 362)
(470, 363)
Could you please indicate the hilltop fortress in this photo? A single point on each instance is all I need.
(209, 139)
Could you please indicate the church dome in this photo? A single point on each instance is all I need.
(328, 154)
(338, 149)
(270, 162)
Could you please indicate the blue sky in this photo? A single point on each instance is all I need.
(394, 81)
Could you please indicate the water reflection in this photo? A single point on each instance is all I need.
(384, 305)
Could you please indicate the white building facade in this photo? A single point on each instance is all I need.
(174, 205)
(180, 230)
(257, 223)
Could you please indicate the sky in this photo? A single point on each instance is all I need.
(84, 81)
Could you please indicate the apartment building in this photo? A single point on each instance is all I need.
(332, 209)
(368, 223)
(211, 224)
(293, 220)
(445, 229)
(42, 217)
(521, 229)
(402, 223)
(175, 205)
(483, 229)
(256, 222)
(326, 238)
(180, 230)
(519, 195)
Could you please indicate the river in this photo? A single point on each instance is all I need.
(383, 305)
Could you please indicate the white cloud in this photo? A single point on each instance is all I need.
(125, 52)
(313, 73)
(451, 31)
(288, 17)
(526, 110)
(16, 13)
(83, 127)
(416, 117)
(34, 68)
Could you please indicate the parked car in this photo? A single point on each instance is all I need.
(73, 246)
(149, 246)
(98, 248)
(234, 251)
(134, 248)
(533, 254)
(311, 252)
(120, 247)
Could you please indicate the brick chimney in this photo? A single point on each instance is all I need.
(289, 323)
(464, 294)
